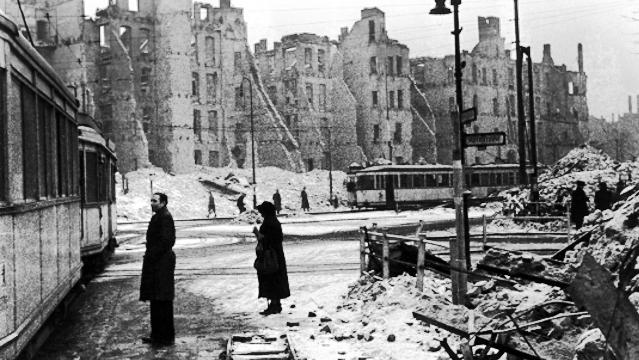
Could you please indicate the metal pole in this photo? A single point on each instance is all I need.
(252, 142)
(533, 136)
(330, 165)
(521, 120)
(458, 249)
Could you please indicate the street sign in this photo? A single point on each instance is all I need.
(485, 139)
(468, 116)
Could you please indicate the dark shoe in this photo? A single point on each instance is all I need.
(163, 343)
(276, 309)
(148, 340)
(267, 311)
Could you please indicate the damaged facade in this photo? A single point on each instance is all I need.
(489, 85)
(304, 80)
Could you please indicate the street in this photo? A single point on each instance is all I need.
(216, 295)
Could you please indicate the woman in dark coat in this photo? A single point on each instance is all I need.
(579, 205)
(272, 286)
(277, 201)
(305, 205)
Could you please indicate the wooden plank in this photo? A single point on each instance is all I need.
(385, 257)
(534, 278)
(362, 250)
(478, 339)
(610, 309)
(421, 254)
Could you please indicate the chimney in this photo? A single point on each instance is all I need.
(343, 33)
(580, 57)
(225, 4)
(261, 46)
(547, 57)
(629, 104)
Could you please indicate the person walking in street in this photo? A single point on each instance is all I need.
(240, 203)
(273, 286)
(211, 205)
(603, 197)
(305, 206)
(277, 201)
(578, 205)
(157, 284)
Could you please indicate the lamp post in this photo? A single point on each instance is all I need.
(459, 248)
(252, 134)
(521, 119)
(525, 50)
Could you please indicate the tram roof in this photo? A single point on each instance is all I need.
(431, 167)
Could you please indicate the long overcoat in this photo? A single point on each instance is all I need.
(277, 201)
(158, 266)
(273, 286)
(305, 204)
(578, 205)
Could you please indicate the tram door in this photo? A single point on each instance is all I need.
(390, 192)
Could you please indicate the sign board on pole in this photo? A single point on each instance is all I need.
(485, 139)
(468, 116)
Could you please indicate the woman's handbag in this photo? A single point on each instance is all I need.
(266, 261)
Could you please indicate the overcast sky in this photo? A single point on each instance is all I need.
(608, 30)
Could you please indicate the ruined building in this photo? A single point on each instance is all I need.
(304, 80)
(489, 85)
(376, 70)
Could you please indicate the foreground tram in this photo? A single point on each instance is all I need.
(387, 186)
(57, 198)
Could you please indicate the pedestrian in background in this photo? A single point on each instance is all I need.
(211, 205)
(277, 201)
(157, 284)
(579, 205)
(240, 203)
(273, 287)
(603, 197)
(305, 206)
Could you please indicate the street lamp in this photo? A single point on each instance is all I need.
(252, 133)
(459, 248)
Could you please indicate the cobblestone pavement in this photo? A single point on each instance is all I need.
(215, 297)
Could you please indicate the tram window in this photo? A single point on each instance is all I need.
(430, 180)
(380, 182)
(493, 179)
(405, 181)
(484, 179)
(445, 180)
(512, 178)
(91, 180)
(365, 182)
(467, 180)
(62, 139)
(418, 181)
(395, 180)
(474, 180)
(29, 139)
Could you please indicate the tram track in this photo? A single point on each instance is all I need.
(242, 270)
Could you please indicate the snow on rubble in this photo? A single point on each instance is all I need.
(188, 193)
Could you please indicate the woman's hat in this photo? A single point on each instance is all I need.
(266, 208)
(579, 182)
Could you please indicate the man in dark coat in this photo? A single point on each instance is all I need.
(240, 203)
(603, 197)
(579, 205)
(158, 267)
(277, 201)
(212, 205)
(305, 206)
(272, 286)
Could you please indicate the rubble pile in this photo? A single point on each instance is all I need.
(584, 158)
(250, 216)
(528, 264)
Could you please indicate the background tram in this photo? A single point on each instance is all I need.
(416, 185)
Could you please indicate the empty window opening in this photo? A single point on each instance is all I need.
(204, 14)
(371, 30)
(104, 41)
(125, 37)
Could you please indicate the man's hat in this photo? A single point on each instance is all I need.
(266, 208)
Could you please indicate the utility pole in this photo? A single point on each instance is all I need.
(390, 186)
(330, 165)
(459, 248)
(533, 136)
(521, 120)
(252, 137)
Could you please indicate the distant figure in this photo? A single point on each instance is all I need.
(240, 203)
(603, 197)
(335, 201)
(579, 205)
(305, 205)
(212, 205)
(277, 201)
(560, 201)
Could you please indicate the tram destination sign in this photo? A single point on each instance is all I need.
(485, 139)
